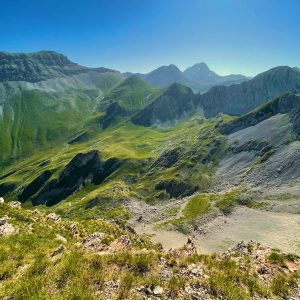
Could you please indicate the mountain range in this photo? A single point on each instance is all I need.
(198, 77)
(102, 172)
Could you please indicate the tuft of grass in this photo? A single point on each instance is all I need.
(276, 258)
(197, 206)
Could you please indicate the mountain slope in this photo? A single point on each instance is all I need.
(127, 98)
(167, 75)
(172, 104)
(201, 73)
(263, 146)
(241, 98)
(44, 98)
(39, 66)
(198, 77)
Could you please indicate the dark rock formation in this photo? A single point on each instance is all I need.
(7, 187)
(83, 168)
(167, 159)
(33, 187)
(176, 188)
(8, 174)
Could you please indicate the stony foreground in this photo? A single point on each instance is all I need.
(43, 256)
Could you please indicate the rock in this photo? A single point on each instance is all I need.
(53, 217)
(167, 159)
(1, 200)
(195, 270)
(121, 243)
(3, 220)
(176, 188)
(61, 238)
(15, 204)
(82, 169)
(74, 229)
(58, 251)
(34, 186)
(7, 229)
(158, 290)
(94, 241)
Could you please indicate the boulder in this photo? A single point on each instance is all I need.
(60, 238)
(121, 243)
(53, 217)
(6, 228)
(74, 229)
(15, 204)
(1, 200)
(93, 241)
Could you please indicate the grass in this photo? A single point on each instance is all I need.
(138, 147)
(200, 205)
(197, 206)
(27, 270)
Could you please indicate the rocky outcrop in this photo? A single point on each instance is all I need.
(33, 187)
(176, 188)
(6, 228)
(167, 159)
(7, 187)
(15, 204)
(83, 168)
(172, 105)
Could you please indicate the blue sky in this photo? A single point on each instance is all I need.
(231, 36)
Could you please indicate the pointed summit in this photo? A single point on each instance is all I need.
(201, 73)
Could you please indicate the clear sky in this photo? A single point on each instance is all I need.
(231, 36)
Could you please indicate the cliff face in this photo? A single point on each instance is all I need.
(241, 98)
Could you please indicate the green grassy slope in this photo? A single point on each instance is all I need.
(33, 119)
(48, 259)
(147, 173)
(132, 94)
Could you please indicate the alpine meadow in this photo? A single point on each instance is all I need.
(125, 176)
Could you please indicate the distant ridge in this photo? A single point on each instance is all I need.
(39, 66)
(198, 77)
(241, 98)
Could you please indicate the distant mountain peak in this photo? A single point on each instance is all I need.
(201, 73)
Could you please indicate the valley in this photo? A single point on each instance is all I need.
(141, 164)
